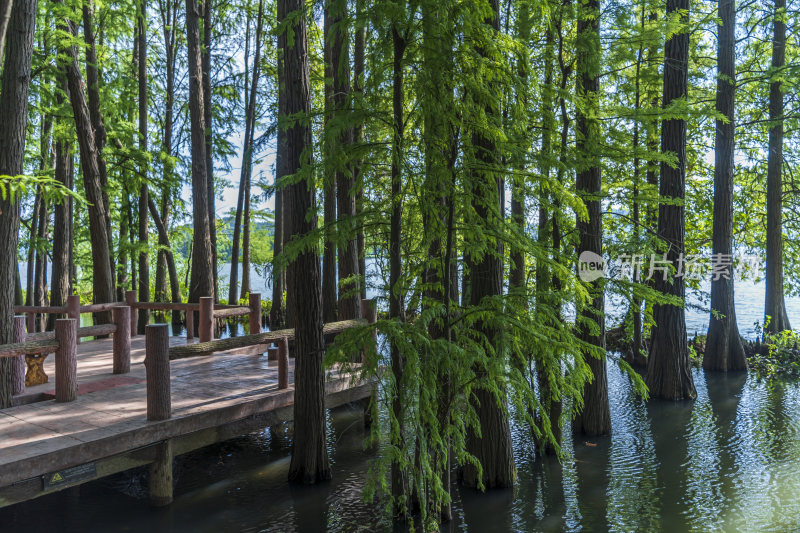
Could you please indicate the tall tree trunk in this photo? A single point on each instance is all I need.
(246, 230)
(40, 281)
(347, 237)
(62, 221)
(14, 110)
(93, 80)
(33, 235)
(144, 256)
(163, 241)
(202, 276)
(209, 122)
(724, 350)
(123, 247)
(330, 312)
(399, 477)
(277, 313)
(5, 16)
(595, 418)
(544, 278)
(359, 46)
(91, 164)
(233, 288)
(168, 10)
(669, 374)
(775, 308)
(309, 462)
(493, 447)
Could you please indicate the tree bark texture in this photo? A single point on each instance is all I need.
(309, 462)
(724, 350)
(669, 374)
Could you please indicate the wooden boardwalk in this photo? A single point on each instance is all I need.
(46, 446)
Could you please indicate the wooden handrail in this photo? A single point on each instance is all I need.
(230, 312)
(166, 306)
(99, 308)
(86, 331)
(43, 309)
(35, 347)
(208, 348)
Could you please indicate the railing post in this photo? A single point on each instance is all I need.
(18, 368)
(272, 353)
(255, 313)
(130, 299)
(283, 363)
(206, 332)
(122, 339)
(156, 365)
(189, 324)
(66, 361)
(74, 312)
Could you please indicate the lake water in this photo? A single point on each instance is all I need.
(729, 461)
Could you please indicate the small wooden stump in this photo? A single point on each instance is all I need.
(66, 361)
(160, 480)
(255, 313)
(283, 363)
(206, 332)
(122, 340)
(18, 364)
(130, 299)
(156, 365)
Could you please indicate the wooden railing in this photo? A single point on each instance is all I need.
(207, 310)
(159, 354)
(64, 339)
(63, 342)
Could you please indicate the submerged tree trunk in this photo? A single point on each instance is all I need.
(309, 462)
(202, 276)
(493, 447)
(330, 310)
(775, 308)
(724, 350)
(16, 80)
(669, 373)
(595, 418)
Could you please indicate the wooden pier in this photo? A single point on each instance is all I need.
(150, 413)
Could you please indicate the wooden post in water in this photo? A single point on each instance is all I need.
(206, 332)
(156, 365)
(255, 313)
(74, 311)
(161, 475)
(130, 299)
(19, 367)
(122, 339)
(283, 363)
(66, 361)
